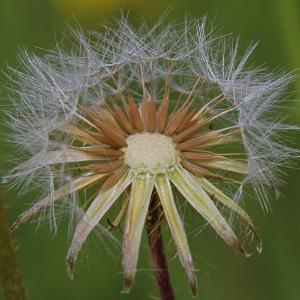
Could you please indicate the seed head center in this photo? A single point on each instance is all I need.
(150, 152)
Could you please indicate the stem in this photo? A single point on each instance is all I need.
(158, 256)
(10, 275)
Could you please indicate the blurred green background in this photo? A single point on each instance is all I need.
(273, 275)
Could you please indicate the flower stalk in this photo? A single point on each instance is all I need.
(158, 257)
(10, 275)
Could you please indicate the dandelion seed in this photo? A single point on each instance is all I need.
(158, 110)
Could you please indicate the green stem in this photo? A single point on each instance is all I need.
(10, 275)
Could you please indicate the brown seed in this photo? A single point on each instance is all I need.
(198, 170)
(200, 155)
(197, 141)
(175, 121)
(102, 139)
(188, 131)
(102, 151)
(135, 116)
(186, 122)
(114, 178)
(83, 135)
(104, 114)
(122, 120)
(151, 116)
(105, 167)
(162, 114)
(116, 137)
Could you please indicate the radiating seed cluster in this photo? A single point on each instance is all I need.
(158, 110)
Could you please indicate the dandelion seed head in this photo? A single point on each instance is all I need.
(129, 112)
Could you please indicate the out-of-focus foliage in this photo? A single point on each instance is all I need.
(273, 275)
(84, 9)
(90, 9)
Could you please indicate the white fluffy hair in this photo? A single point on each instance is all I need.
(51, 91)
